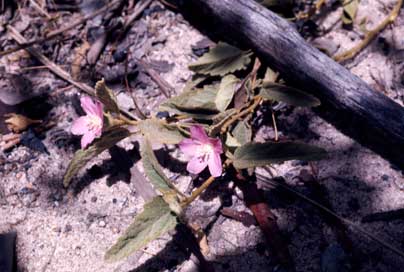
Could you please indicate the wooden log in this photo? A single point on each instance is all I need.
(348, 102)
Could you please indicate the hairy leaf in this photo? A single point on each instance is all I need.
(231, 142)
(221, 60)
(242, 132)
(160, 132)
(155, 220)
(106, 96)
(350, 8)
(289, 95)
(153, 169)
(260, 154)
(226, 92)
(194, 102)
(194, 82)
(83, 156)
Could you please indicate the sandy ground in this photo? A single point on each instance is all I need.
(61, 230)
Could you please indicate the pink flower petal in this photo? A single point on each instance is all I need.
(98, 132)
(217, 145)
(188, 147)
(199, 134)
(91, 107)
(196, 165)
(87, 139)
(79, 126)
(215, 164)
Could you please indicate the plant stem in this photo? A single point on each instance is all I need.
(370, 35)
(128, 121)
(275, 127)
(257, 100)
(198, 191)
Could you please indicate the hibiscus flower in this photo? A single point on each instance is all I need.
(202, 151)
(89, 125)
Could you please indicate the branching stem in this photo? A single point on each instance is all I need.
(370, 35)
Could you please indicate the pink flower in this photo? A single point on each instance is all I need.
(203, 151)
(89, 125)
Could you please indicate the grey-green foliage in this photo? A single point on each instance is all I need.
(83, 156)
(260, 154)
(200, 100)
(226, 91)
(106, 96)
(350, 8)
(160, 132)
(289, 95)
(242, 132)
(155, 220)
(221, 60)
(153, 169)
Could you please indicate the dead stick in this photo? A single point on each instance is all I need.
(58, 32)
(164, 86)
(347, 101)
(55, 68)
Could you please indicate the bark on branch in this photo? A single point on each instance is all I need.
(348, 102)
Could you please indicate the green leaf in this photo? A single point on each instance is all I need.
(260, 154)
(242, 132)
(221, 60)
(289, 95)
(160, 132)
(83, 156)
(194, 82)
(153, 169)
(155, 220)
(194, 102)
(106, 96)
(270, 76)
(227, 88)
(231, 142)
(171, 198)
(350, 8)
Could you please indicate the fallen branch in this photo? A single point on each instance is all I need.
(55, 68)
(164, 86)
(349, 103)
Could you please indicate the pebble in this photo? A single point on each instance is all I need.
(19, 175)
(385, 177)
(94, 199)
(102, 224)
(57, 229)
(68, 228)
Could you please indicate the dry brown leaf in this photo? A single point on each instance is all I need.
(201, 237)
(17, 122)
(79, 56)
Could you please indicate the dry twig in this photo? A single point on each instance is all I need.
(60, 31)
(55, 68)
(370, 35)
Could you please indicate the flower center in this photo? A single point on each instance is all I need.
(94, 122)
(204, 151)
